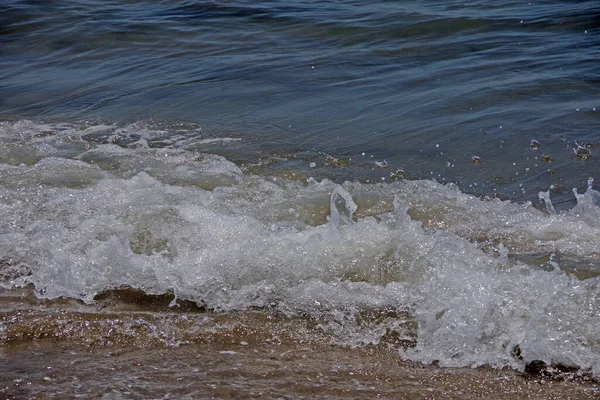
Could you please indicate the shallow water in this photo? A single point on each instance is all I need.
(278, 371)
(410, 175)
(119, 351)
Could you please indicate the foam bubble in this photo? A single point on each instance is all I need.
(468, 279)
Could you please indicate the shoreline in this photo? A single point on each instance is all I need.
(48, 369)
(65, 349)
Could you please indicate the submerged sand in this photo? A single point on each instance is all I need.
(63, 349)
(48, 369)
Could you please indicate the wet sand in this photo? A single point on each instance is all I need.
(64, 349)
(47, 369)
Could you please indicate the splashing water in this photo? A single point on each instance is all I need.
(463, 279)
(582, 152)
(349, 205)
(545, 197)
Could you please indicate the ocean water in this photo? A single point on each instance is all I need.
(418, 174)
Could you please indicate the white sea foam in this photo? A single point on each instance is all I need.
(168, 220)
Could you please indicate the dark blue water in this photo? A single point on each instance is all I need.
(424, 85)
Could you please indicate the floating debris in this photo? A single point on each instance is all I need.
(547, 158)
(582, 152)
(534, 144)
(399, 174)
(336, 162)
(312, 164)
(381, 164)
(476, 159)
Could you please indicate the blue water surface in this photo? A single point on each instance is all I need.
(450, 90)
